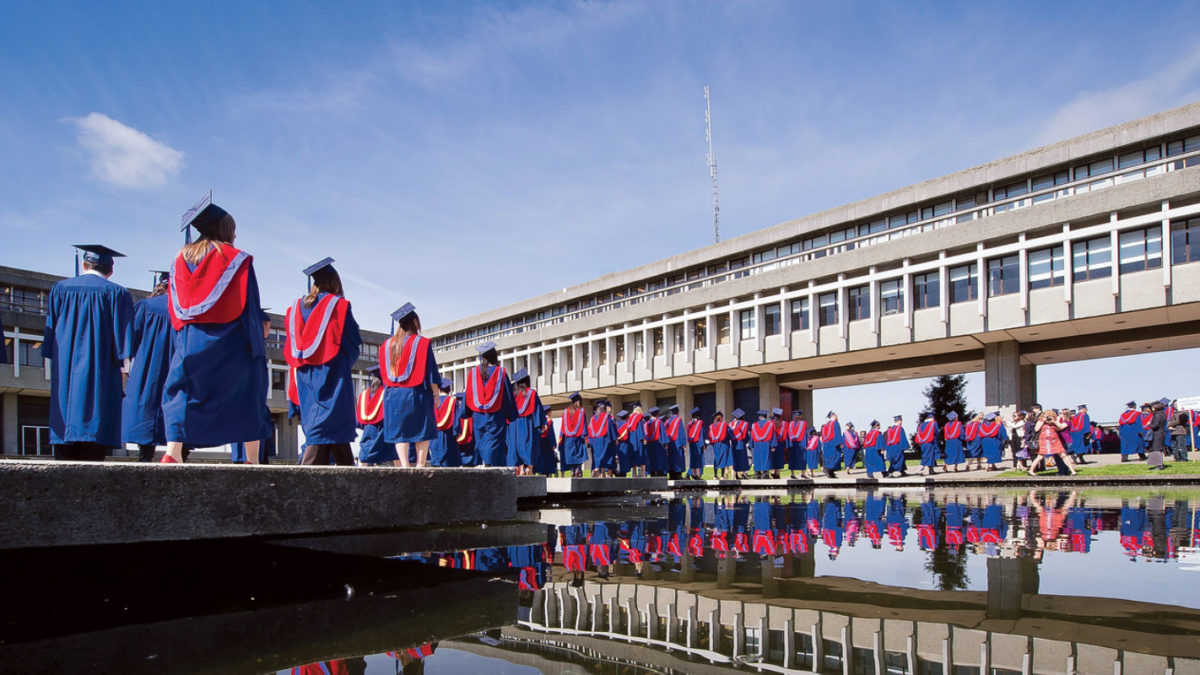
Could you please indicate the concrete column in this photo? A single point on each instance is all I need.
(12, 431)
(725, 397)
(1068, 265)
(735, 330)
(1028, 387)
(785, 319)
(768, 391)
(710, 333)
(875, 301)
(943, 289)
(618, 402)
(805, 402)
(627, 336)
(689, 338)
(1002, 368)
(760, 328)
(649, 399)
(1115, 244)
(1023, 274)
(685, 400)
(1166, 244)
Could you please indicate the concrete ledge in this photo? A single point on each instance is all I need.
(563, 487)
(77, 503)
(531, 487)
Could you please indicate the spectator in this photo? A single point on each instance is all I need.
(1049, 428)
(1158, 435)
(1179, 435)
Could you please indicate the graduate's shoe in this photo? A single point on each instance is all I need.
(167, 459)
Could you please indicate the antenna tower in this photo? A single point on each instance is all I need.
(712, 166)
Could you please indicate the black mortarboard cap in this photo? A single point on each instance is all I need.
(653, 409)
(874, 423)
(204, 215)
(1131, 404)
(623, 414)
(97, 253)
(1082, 405)
(718, 413)
(373, 371)
(830, 414)
(160, 277)
(576, 397)
(738, 414)
(400, 314)
(953, 415)
(486, 347)
(522, 374)
(317, 267)
(1165, 401)
(694, 411)
(897, 418)
(546, 408)
(776, 411)
(762, 413)
(446, 384)
(674, 408)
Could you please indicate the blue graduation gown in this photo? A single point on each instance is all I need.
(373, 449)
(491, 429)
(993, 447)
(929, 451)
(895, 452)
(637, 444)
(653, 448)
(544, 461)
(722, 450)
(574, 449)
(604, 446)
(443, 449)
(523, 439)
(954, 451)
(831, 450)
(326, 391)
(266, 448)
(873, 460)
(676, 459)
(740, 451)
(467, 450)
(1131, 438)
(89, 334)
(1078, 447)
(216, 389)
(141, 415)
(408, 412)
(761, 450)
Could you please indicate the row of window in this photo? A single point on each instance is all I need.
(864, 233)
(1139, 250)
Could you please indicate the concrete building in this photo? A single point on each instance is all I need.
(25, 382)
(1082, 249)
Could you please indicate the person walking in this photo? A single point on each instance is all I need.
(410, 372)
(141, 413)
(216, 388)
(489, 395)
(88, 335)
(322, 346)
(372, 449)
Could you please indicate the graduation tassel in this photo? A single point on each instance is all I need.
(187, 235)
(76, 263)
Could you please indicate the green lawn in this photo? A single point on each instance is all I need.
(1131, 469)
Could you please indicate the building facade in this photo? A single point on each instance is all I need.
(1082, 249)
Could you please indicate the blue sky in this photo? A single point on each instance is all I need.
(464, 156)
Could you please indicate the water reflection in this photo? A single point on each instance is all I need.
(890, 582)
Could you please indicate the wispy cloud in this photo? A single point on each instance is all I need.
(1174, 85)
(124, 156)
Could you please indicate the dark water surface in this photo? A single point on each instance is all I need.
(884, 583)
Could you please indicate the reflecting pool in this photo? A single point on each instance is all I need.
(889, 582)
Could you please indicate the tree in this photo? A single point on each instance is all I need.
(948, 565)
(945, 394)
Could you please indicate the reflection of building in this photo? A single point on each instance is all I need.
(851, 627)
(25, 383)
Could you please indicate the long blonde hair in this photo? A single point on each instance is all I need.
(411, 325)
(220, 233)
(325, 281)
